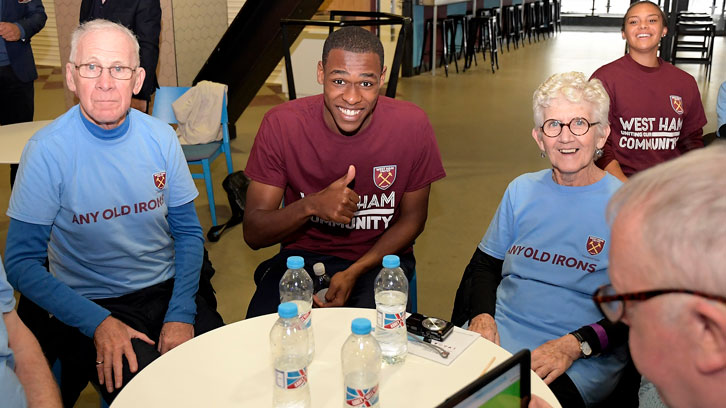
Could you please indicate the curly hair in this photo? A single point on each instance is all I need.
(574, 87)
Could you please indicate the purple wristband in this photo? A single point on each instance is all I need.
(601, 335)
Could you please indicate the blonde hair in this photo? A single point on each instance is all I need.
(102, 25)
(575, 88)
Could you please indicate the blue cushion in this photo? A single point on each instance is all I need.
(200, 151)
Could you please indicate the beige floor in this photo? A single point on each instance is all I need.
(483, 123)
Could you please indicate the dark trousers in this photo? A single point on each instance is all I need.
(143, 310)
(16, 103)
(566, 392)
(268, 275)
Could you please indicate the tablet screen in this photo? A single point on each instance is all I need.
(505, 386)
(504, 392)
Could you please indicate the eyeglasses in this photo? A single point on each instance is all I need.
(612, 305)
(95, 71)
(578, 127)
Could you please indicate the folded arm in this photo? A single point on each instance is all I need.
(34, 20)
(266, 224)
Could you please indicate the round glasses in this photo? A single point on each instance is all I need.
(95, 71)
(578, 127)
(612, 305)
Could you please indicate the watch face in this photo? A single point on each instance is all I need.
(585, 348)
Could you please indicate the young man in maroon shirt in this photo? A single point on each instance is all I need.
(354, 170)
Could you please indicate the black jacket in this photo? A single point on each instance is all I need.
(143, 17)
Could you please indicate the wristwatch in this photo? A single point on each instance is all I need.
(585, 349)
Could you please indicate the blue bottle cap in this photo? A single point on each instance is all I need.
(287, 310)
(391, 261)
(360, 326)
(295, 262)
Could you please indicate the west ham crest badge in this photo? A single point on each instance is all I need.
(160, 180)
(677, 104)
(595, 245)
(384, 176)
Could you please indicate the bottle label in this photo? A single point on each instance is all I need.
(291, 380)
(391, 320)
(365, 397)
(305, 320)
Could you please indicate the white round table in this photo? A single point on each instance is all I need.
(230, 367)
(14, 137)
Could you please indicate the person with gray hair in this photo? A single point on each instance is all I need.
(105, 194)
(529, 282)
(667, 270)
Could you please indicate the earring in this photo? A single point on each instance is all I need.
(598, 153)
(542, 155)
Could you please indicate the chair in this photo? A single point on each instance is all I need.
(202, 154)
(446, 27)
(703, 36)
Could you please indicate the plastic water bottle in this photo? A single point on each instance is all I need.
(296, 286)
(321, 283)
(391, 288)
(361, 358)
(289, 347)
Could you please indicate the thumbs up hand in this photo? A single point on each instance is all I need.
(337, 202)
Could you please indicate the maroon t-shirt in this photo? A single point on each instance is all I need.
(656, 114)
(395, 154)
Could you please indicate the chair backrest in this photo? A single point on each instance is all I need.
(164, 97)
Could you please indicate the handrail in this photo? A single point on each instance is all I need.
(375, 19)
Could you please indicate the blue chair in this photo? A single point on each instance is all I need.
(202, 154)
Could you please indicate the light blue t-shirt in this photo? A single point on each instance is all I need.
(554, 241)
(11, 392)
(106, 200)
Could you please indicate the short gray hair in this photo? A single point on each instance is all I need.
(574, 87)
(681, 206)
(101, 25)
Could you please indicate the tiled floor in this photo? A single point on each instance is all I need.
(483, 125)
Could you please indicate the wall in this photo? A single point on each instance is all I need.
(198, 26)
(45, 42)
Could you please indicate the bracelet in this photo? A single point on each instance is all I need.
(601, 335)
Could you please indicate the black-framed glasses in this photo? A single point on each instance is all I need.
(612, 305)
(577, 126)
(94, 71)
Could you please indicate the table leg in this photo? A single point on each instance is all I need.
(432, 54)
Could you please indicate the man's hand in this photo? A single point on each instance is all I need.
(9, 31)
(485, 325)
(553, 358)
(337, 202)
(338, 293)
(113, 341)
(174, 334)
